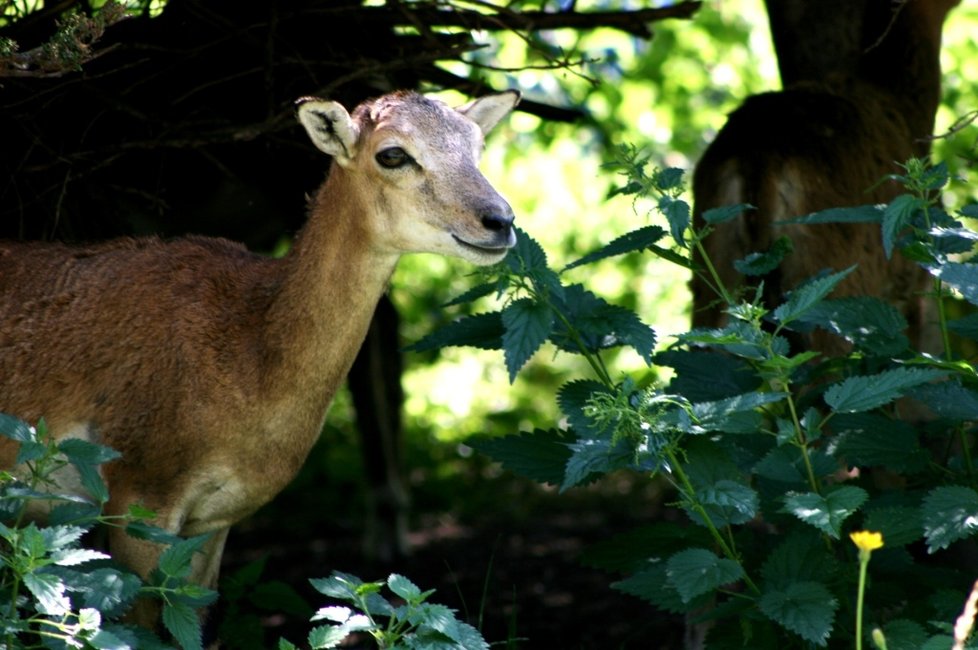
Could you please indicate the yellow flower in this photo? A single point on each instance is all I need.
(866, 540)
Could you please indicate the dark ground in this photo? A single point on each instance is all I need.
(508, 550)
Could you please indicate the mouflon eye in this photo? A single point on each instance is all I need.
(393, 157)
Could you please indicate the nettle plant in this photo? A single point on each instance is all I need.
(758, 440)
(57, 593)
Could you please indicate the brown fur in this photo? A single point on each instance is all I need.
(210, 368)
(826, 141)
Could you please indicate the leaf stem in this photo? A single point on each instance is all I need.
(689, 492)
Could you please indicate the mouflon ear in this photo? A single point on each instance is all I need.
(489, 110)
(330, 128)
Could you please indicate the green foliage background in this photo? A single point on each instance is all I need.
(668, 96)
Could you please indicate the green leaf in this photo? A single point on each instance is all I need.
(948, 399)
(728, 502)
(469, 638)
(404, 588)
(865, 393)
(599, 325)
(105, 640)
(725, 212)
(16, 429)
(107, 590)
(183, 623)
(327, 636)
(636, 240)
(963, 277)
(808, 295)
(867, 322)
(527, 325)
(474, 293)
(676, 212)
(669, 178)
(541, 456)
(176, 560)
(871, 440)
(58, 537)
(483, 331)
(950, 514)
(702, 376)
(83, 452)
(856, 214)
(526, 256)
(590, 458)
(828, 512)
(653, 586)
(573, 398)
(717, 416)
(76, 556)
(801, 557)
(805, 608)
(698, 571)
(49, 591)
(899, 525)
(718, 485)
(91, 480)
(903, 634)
(763, 263)
(896, 217)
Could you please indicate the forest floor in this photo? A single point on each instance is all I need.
(508, 559)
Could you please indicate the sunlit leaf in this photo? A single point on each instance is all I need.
(950, 513)
(963, 277)
(826, 512)
(867, 322)
(864, 393)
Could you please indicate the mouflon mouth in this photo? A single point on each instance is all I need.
(489, 248)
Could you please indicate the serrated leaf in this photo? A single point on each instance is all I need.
(948, 399)
(867, 322)
(630, 550)
(870, 440)
(107, 590)
(950, 513)
(469, 638)
(702, 376)
(49, 591)
(527, 325)
(573, 398)
(327, 636)
(483, 331)
(864, 393)
(698, 571)
(828, 512)
(176, 560)
(717, 415)
(541, 456)
(526, 256)
(676, 212)
(91, 480)
(801, 557)
(634, 241)
(903, 634)
(16, 429)
(599, 325)
(474, 293)
(183, 623)
(805, 608)
(896, 217)
(762, 263)
(73, 557)
(961, 276)
(404, 588)
(899, 525)
(718, 485)
(652, 585)
(669, 178)
(855, 214)
(592, 457)
(58, 537)
(725, 212)
(729, 502)
(808, 295)
(79, 451)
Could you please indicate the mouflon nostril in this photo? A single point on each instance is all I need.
(497, 222)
